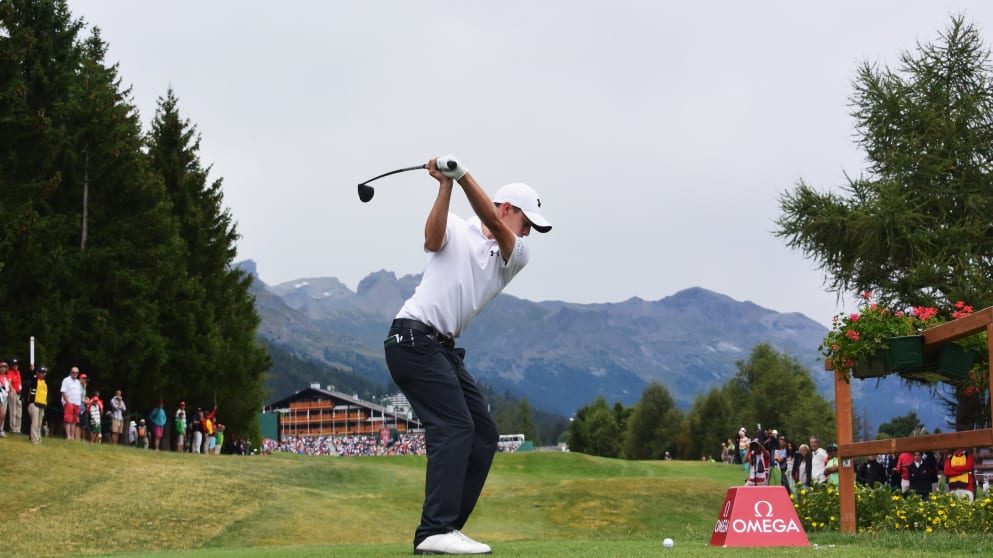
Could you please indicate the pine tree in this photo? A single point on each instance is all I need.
(39, 56)
(212, 327)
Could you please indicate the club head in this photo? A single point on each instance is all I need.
(365, 192)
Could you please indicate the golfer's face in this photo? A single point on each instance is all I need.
(518, 222)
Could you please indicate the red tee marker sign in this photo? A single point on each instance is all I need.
(758, 516)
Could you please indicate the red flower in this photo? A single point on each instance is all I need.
(852, 334)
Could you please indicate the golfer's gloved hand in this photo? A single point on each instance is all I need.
(450, 167)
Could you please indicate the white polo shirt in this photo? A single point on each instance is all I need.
(462, 278)
(73, 389)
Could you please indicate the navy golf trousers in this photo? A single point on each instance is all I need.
(460, 434)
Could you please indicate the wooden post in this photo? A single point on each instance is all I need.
(846, 475)
(847, 449)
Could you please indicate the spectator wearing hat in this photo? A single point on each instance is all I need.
(158, 420)
(181, 426)
(14, 410)
(117, 408)
(38, 403)
(72, 400)
(743, 443)
(757, 460)
(196, 432)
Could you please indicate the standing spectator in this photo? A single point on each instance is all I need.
(4, 395)
(935, 463)
(818, 461)
(743, 444)
(831, 466)
(781, 458)
(871, 472)
(38, 403)
(72, 400)
(142, 434)
(196, 432)
(219, 436)
(802, 468)
(903, 466)
(791, 452)
(83, 429)
(14, 411)
(181, 427)
(117, 408)
(757, 459)
(920, 474)
(888, 463)
(158, 419)
(209, 439)
(133, 434)
(959, 469)
(94, 407)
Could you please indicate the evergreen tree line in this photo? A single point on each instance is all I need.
(115, 246)
(770, 388)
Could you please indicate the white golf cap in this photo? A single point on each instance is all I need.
(523, 197)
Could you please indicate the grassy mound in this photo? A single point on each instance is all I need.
(76, 499)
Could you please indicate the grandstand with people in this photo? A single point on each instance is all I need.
(327, 422)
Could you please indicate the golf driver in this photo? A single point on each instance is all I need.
(366, 192)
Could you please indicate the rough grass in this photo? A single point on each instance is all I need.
(75, 499)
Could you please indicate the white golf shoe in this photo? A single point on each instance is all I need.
(453, 542)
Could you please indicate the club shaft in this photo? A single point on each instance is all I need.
(396, 171)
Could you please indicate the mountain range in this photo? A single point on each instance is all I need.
(562, 355)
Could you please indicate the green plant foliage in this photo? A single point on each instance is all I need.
(880, 509)
(653, 425)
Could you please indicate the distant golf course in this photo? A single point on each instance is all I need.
(76, 499)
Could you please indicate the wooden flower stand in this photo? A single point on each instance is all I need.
(848, 450)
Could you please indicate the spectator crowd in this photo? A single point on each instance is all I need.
(770, 457)
(403, 444)
(29, 401)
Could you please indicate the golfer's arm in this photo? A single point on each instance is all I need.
(487, 213)
(437, 223)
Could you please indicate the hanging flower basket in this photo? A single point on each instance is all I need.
(906, 352)
(956, 362)
(953, 366)
(875, 366)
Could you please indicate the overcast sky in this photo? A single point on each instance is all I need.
(659, 136)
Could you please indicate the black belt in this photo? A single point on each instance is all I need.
(446, 341)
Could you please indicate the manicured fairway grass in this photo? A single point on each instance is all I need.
(77, 499)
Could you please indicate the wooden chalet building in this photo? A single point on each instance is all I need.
(324, 412)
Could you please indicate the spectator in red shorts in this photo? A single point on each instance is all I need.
(72, 400)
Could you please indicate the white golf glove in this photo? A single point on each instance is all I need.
(450, 167)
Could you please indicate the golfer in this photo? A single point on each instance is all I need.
(469, 264)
